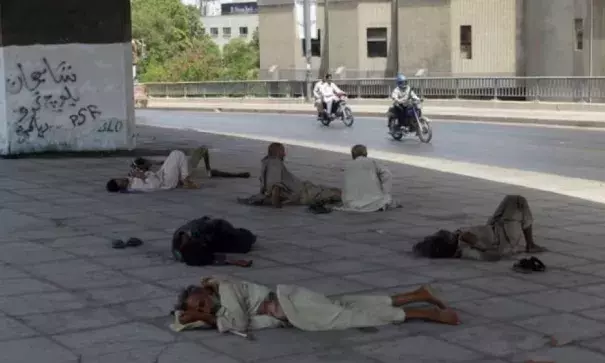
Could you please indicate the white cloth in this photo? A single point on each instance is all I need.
(404, 96)
(367, 186)
(329, 90)
(174, 169)
(317, 90)
(310, 311)
(240, 301)
(304, 309)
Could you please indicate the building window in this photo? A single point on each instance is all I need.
(226, 32)
(466, 42)
(579, 30)
(376, 42)
(214, 32)
(243, 31)
(315, 45)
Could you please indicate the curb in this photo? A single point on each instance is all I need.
(437, 118)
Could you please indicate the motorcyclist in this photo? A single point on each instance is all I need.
(403, 96)
(318, 98)
(329, 94)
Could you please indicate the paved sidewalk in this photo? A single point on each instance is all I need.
(66, 296)
(486, 111)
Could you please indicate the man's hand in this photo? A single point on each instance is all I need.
(137, 173)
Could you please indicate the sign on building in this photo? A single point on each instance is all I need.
(239, 8)
(300, 18)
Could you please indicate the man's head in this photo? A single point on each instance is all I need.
(359, 150)
(195, 302)
(276, 150)
(117, 185)
(402, 81)
(328, 78)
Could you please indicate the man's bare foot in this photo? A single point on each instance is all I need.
(535, 249)
(447, 316)
(427, 293)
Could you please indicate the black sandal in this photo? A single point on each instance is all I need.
(529, 265)
(537, 265)
(524, 266)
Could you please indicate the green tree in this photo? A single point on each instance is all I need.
(201, 62)
(240, 59)
(168, 29)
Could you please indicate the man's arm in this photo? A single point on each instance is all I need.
(233, 312)
(336, 89)
(414, 96)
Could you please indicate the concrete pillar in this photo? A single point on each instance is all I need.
(67, 66)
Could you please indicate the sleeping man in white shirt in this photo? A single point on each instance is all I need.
(239, 306)
(176, 171)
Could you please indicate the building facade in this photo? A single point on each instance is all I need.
(225, 21)
(378, 38)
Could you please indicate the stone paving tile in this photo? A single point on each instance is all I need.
(496, 340)
(568, 354)
(66, 295)
(564, 327)
(563, 300)
(419, 349)
(35, 350)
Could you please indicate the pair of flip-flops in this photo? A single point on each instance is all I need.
(529, 265)
(131, 242)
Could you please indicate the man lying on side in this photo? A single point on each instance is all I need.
(233, 305)
(176, 171)
(508, 231)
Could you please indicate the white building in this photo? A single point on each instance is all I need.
(225, 20)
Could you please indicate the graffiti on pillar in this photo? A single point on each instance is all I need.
(47, 93)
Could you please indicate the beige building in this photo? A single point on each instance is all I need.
(377, 38)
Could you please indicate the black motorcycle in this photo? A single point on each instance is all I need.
(403, 121)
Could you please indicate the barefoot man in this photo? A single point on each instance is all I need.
(176, 171)
(239, 306)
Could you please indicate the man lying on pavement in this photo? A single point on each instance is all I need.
(507, 232)
(175, 171)
(280, 187)
(239, 306)
(204, 241)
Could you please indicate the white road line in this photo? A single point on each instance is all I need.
(591, 190)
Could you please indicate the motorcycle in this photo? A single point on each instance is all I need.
(343, 112)
(403, 121)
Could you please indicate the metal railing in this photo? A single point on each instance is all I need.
(567, 89)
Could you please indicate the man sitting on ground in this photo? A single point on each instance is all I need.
(239, 306)
(367, 184)
(280, 187)
(507, 232)
(175, 171)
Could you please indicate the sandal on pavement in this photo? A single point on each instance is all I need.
(537, 265)
(131, 242)
(529, 265)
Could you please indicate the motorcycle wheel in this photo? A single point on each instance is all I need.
(425, 131)
(397, 134)
(347, 116)
(325, 120)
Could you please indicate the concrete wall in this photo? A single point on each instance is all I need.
(373, 14)
(424, 36)
(234, 22)
(550, 39)
(494, 40)
(68, 84)
(67, 97)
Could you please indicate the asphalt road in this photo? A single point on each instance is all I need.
(568, 152)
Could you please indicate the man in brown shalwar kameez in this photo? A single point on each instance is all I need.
(280, 187)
